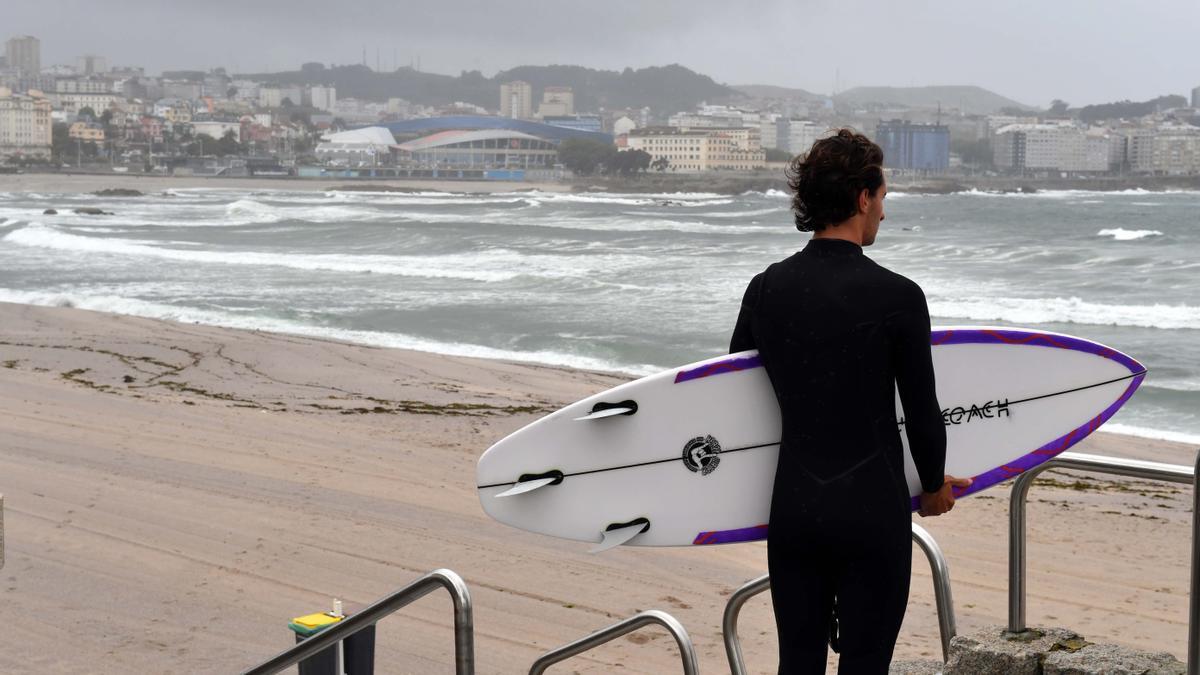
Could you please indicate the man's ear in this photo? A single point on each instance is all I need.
(864, 200)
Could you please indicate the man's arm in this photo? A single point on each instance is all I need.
(743, 332)
(918, 394)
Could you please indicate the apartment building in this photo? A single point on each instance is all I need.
(1049, 147)
(557, 102)
(701, 149)
(25, 125)
(516, 100)
(1166, 151)
(86, 131)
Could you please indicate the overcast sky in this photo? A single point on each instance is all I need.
(1083, 51)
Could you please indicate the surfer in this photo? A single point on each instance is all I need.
(838, 334)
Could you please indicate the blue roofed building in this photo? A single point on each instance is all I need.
(914, 147)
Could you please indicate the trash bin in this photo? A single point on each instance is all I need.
(323, 662)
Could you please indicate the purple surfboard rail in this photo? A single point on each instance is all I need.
(957, 336)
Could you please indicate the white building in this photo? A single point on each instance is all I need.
(25, 125)
(1166, 151)
(216, 128)
(83, 85)
(1049, 147)
(516, 100)
(73, 103)
(796, 136)
(768, 130)
(357, 147)
(91, 65)
(247, 90)
(701, 149)
(273, 97)
(25, 54)
(623, 126)
(323, 98)
(711, 116)
(557, 102)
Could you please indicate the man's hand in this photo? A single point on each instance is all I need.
(937, 503)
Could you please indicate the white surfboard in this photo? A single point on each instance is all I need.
(687, 456)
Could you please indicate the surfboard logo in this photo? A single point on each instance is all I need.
(701, 455)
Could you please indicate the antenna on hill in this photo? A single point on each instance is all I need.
(939, 114)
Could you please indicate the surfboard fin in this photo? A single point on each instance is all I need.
(619, 533)
(602, 410)
(528, 482)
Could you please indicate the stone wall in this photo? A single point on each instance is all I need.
(1050, 651)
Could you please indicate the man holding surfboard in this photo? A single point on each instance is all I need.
(838, 335)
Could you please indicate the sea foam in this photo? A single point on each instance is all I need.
(1121, 234)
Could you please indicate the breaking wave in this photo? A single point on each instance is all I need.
(1068, 310)
(484, 266)
(1121, 234)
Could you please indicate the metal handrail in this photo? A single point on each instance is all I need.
(943, 600)
(1174, 473)
(733, 608)
(464, 624)
(939, 570)
(686, 650)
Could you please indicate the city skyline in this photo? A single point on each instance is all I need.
(964, 43)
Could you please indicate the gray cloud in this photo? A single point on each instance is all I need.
(1084, 51)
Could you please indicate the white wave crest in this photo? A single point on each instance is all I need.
(491, 265)
(1121, 234)
(1182, 384)
(1157, 434)
(1067, 310)
(137, 307)
(1053, 194)
(771, 192)
(252, 211)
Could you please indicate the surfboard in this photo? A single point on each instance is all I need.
(687, 456)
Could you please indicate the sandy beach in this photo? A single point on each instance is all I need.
(175, 493)
(149, 184)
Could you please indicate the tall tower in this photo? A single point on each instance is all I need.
(24, 52)
(516, 100)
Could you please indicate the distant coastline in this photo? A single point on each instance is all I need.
(719, 183)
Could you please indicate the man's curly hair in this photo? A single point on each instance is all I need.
(827, 181)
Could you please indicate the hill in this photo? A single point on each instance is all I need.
(971, 99)
(1130, 109)
(769, 91)
(663, 88)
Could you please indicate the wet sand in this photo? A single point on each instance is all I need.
(175, 493)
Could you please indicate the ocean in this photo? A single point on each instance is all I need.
(617, 282)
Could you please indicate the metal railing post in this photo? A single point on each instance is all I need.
(1016, 550)
(464, 624)
(1171, 473)
(1193, 658)
(943, 600)
(733, 646)
(687, 652)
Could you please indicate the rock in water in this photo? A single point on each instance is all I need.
(118, 192)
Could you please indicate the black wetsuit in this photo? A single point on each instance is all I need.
(837, 334)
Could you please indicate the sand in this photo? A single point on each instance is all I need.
(175, 493)
(54, 183)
